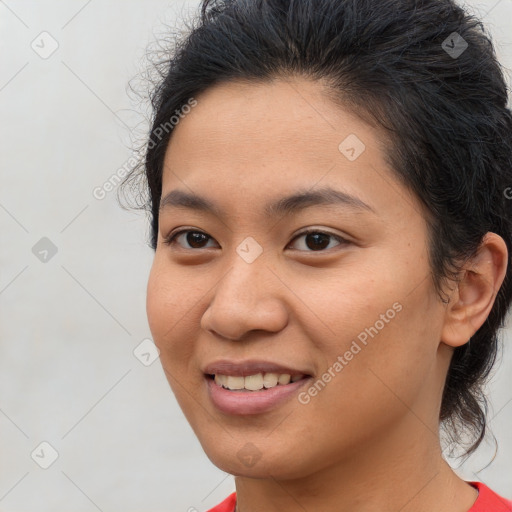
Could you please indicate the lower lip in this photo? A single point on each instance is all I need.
(252, 402)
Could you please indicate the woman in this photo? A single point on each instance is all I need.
(332, 230)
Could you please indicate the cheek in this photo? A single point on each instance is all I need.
(160, 305)
(385, 365)
(351, 303)
(174, 329)
(377, 324)
(170, 310)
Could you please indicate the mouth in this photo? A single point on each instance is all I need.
(252, 387)
(256, 382)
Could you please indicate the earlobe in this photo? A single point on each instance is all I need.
(473, 298)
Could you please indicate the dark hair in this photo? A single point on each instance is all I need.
(398, 65)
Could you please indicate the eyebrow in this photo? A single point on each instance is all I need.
(284, 206)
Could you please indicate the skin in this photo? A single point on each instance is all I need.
(368, 441)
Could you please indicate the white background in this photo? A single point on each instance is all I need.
(68, 327)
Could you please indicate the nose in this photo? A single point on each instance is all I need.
(248, 297)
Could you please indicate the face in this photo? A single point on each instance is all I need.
(246, 295)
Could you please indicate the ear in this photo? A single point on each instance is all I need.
(472, 299)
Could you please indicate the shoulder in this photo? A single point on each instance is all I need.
(489, 501)
(228, 505)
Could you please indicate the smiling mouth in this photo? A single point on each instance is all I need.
(256, 382)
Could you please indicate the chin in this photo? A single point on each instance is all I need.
(247, 462)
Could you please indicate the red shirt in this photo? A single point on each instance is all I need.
(487, 501)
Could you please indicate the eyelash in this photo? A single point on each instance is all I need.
(171, 239)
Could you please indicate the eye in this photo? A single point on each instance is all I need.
(318, 240)
(315, 240)
(193, 237)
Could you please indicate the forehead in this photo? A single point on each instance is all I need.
(256, 108)
(282, 124)
(254, 140)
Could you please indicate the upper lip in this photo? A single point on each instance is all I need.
(249, 367)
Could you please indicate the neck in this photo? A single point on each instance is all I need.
(400, 472)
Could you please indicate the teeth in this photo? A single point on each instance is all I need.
(284, 378)
(270, 379)
(220, 380)
(255, 382)
(234, 382)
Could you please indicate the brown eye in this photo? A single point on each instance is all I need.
(195, 239)
(315, 240)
